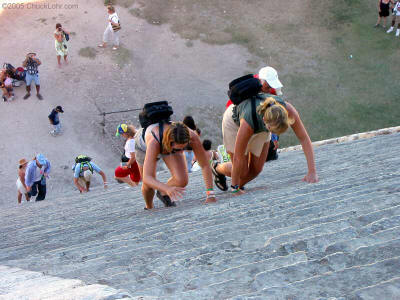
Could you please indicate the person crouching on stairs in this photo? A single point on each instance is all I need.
(128, 172)
(83, 172)
(175, 137)
(248, 146)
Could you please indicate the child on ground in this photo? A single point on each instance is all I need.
(21, 186)
(8, 91)
(55, 120)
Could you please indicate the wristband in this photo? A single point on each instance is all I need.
(235, 188)
(211, 189)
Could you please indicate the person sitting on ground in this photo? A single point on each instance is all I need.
(55, 120)
(60, 43)
(175, 137)
(189, 122)
(129, 171)
(8, 91)
(21, 186)
(35, 176)
(83, 171)
(396, 18)
(31, 63)
(248, 148)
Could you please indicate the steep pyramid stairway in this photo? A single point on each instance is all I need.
(283, 239)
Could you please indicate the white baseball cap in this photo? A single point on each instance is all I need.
(270, 75)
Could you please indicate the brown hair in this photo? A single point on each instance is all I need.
(58, 25)
(275, 115)
(111, 8)
(177, 133)
(130, 131)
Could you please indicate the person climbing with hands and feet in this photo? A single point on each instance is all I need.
(168, 141)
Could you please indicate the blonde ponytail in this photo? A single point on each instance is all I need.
(275, 115)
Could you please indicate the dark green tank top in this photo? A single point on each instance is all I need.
(244, 111)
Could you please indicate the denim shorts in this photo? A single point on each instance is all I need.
(29, 78)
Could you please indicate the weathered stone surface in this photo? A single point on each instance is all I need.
(283, 239)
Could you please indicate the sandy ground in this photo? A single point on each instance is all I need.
(158, 65)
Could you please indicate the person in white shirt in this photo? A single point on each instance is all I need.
(129, 171)
(396, 17)
(112, 30)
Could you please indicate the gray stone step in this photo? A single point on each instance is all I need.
(333, 284)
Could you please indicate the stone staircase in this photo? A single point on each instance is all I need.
(283, 239)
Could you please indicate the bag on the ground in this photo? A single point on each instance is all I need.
(243, 88)
(155, 112)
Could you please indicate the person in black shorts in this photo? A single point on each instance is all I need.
(383, 11)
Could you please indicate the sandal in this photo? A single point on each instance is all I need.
(101, 46)
(165, 199)
(115, 48)
(219, 179)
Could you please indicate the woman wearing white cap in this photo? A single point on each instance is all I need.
(246, 130)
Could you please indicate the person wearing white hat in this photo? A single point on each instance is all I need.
(35, 176)
(247, 128)
(269, 79)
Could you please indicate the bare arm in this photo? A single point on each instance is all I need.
(21, 176)
(239, 163)
(150, 164)
(103, 175)
(305, 142)
(80, 188)
(132, 160)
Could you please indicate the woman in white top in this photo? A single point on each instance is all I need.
(112, 29)
(129, 172)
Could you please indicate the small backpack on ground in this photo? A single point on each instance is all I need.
(83, 160)
(244, 88)
(155, 112)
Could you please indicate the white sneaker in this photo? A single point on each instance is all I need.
(390, 30)
(53, 133)
(397, 32)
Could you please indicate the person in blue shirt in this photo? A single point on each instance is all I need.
(83, 174)
(55, 120)
(35, 177)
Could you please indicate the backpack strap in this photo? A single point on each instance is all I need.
(161, 132)
(254, 113)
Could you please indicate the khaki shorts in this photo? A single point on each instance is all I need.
(230, 131)
(83, 180)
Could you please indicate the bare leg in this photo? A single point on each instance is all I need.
(176, 164)
(65, 59)
(384, 22)
(19, 197)
(27, 197)
(87, 186)
(378, 21)
(226, 168)
(256, 164)
(148, 195)
(127, 180)
(59, 60)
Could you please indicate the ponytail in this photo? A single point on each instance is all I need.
(177, 133)
(274, 114)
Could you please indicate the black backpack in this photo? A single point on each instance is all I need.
(244, 88)
(155, 112)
